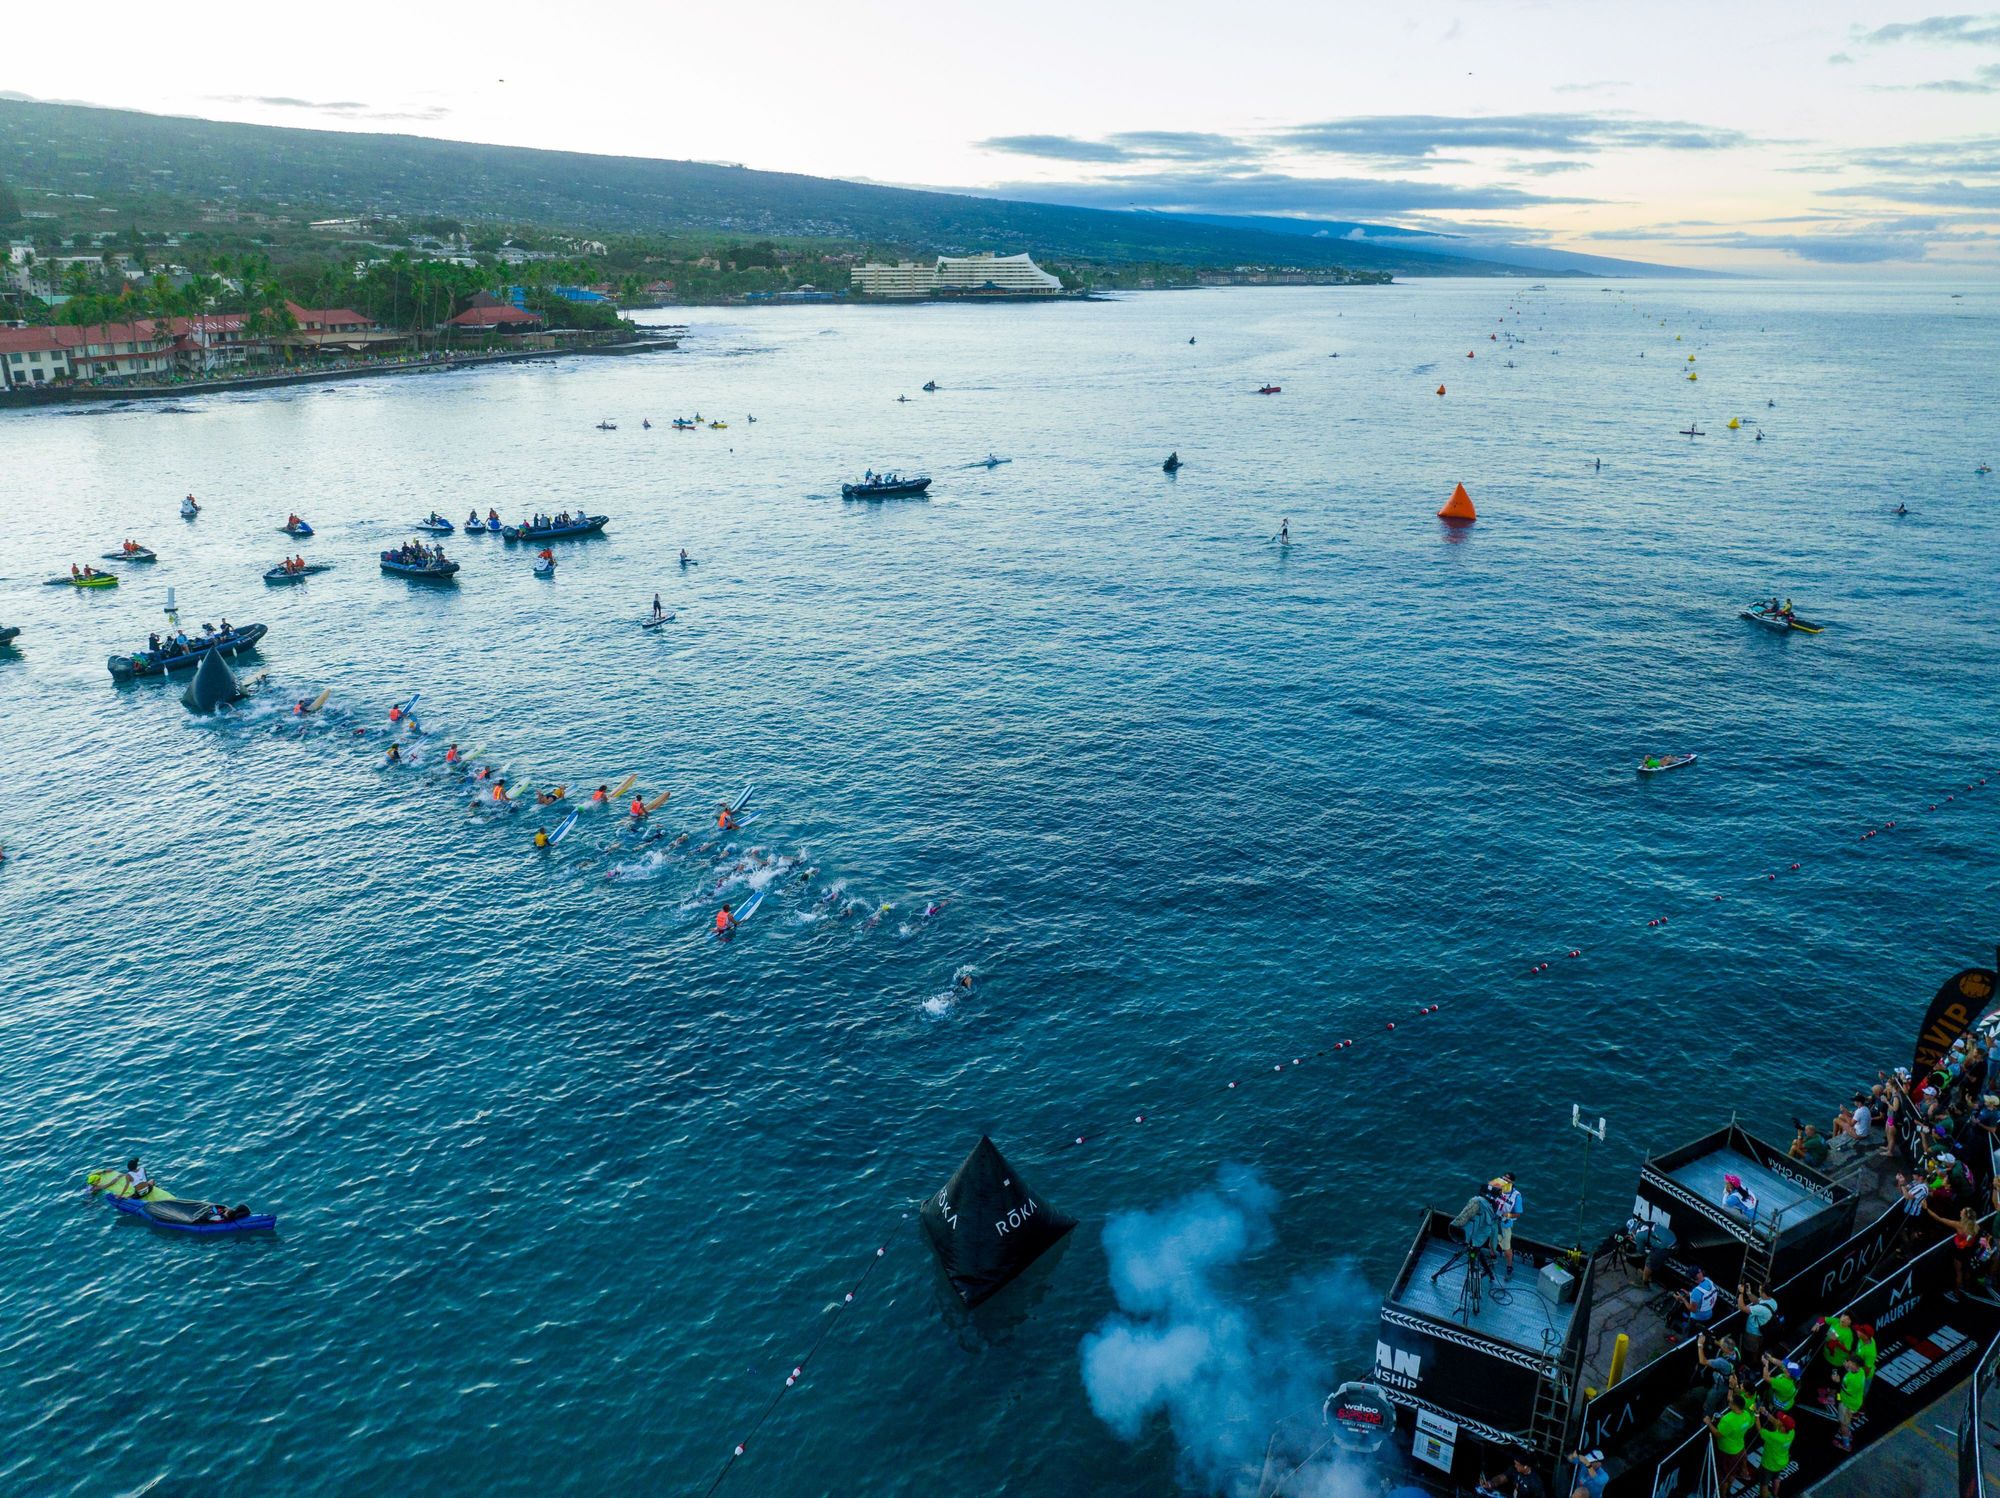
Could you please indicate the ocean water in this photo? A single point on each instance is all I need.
(567, 1188)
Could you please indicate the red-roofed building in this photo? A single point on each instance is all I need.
(42, 356)
(501, 317)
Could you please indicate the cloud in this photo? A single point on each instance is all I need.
(1550, 168)
(1975, 31)
(1832, 249)
(1055, 147)
(1599, 86)
(1416, 137)
(1985, 81)
(1282, 193)
(1841, 59)
(1946, 194)
(1225, 1371)
(1184, 145)
(351, 109)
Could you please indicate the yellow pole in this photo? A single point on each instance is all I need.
(1618, 1350)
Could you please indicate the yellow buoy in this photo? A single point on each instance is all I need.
(1734, 423)
(1690, 358)
(1677, 338)
(1692, 375)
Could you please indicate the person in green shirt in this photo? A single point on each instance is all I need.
(1864, 1350)
(1775, 1430)
(1839, 1346)
(1781, 1384)
(1853, 1389)
(1732, 1437)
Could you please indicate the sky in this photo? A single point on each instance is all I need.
(1817, 137)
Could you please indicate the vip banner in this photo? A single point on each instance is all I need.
(1951, 1014)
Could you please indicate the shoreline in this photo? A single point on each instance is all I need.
(39, 396)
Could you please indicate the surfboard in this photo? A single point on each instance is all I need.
(740, 802)
(320, 701)
(749, 907)
(658, 801)
(409, 706)
(618, 791)
(649, 622)
(567, 823)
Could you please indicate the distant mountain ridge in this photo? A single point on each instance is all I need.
(73, 148)
(1441, 246)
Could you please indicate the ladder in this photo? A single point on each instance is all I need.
(1549, 1425)
(1759, 1248)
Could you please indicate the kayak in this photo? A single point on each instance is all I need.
(150, 663)
(297, 528)
(138, 554)
(436, 527)
(192, 1217)
(588, 525)
(95, 580)
(282, 574)
(426, 571)
(1667, 762)
(161, 1208)
(567, 823)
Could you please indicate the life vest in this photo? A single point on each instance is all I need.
(638, 807)
(451, 755)
(541, 839)
(722, 922)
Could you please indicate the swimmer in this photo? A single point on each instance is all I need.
(395, 754)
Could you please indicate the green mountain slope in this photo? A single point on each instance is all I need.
(72, 149)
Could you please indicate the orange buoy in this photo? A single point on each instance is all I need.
(1440, 390)
(1458, 509)
(1469, 354)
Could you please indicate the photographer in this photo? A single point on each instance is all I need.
(1720, 1362)
(1807, 1144)
(1697, 1305)
(1759, 1308)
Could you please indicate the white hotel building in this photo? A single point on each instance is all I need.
(957, 275)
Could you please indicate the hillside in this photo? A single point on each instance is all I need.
(123, 154)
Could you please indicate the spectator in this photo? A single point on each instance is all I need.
(1655, 1240)
(1964, 1249)
(1864, 1119)
(1697, 1303)
(1732, 1439)
(1864, 1350)
(1507, 1204)
(1781, 1384)
(1527, 1483)
(1775, 1430)
(1853, 1389)
(1836, 1350)
(1758, 1306)
(1721, 1363)
(1590, 1475)
(1809, 1146)
(1842, 1132)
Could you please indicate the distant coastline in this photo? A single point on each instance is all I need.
(665, 341)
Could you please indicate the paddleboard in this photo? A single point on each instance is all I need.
(408, 706)
(320, 701)
(749, 907)
(618, 791)
(740, 802)
(567, 823)
(658, 801)
(649, 622)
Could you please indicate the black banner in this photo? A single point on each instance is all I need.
(1951, 1014)
(1970, 1483)
(1684, 1472)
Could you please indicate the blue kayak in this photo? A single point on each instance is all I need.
(193, 1217)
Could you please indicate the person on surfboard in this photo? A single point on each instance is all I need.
(725, 819)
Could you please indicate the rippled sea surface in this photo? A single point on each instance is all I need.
(566, 1187)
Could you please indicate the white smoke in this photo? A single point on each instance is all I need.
(1185, 1345)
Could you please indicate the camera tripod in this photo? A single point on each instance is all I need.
(1478, 1265)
